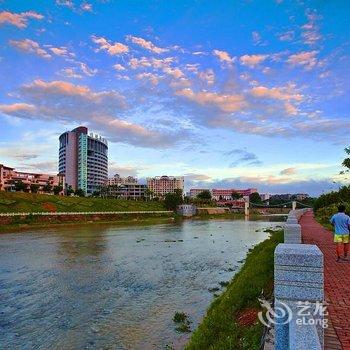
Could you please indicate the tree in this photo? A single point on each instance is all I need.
(69, 190)
(255, 198)
(57, 190)
(346, 162)
(47, 188)
(172, 200)
(178, 192)
(204, 195)
(20, 186)
(149, 193)
(80, 192)
(34, 188)
(235, 195)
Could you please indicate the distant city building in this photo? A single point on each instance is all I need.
(9, 177)
(226, 194)
(289, 197)
(161, 185)
(194, 192)
(264, 196)
(83, 159)
(301, 196)
(117, 179)
(126, 191)
(281, 197)
(124, 187)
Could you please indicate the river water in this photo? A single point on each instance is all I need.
(108, 287)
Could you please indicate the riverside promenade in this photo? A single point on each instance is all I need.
(337, 283)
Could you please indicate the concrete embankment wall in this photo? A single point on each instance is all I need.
(42, 218)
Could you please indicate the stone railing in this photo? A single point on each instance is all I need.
(299, 290)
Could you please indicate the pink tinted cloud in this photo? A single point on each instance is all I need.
(147, 45)
(61, 51)
(61, 101)
(16, 108)
(252, 60)
(207, 76)
(226, 103)
(143, 62)
(306, 59)
(30, 46)
(286, 94)
(86, 7)
(276, 93)
(152, 78)
(223, 56)
(19, 20)
(287, 36)
(310, 31)
(289, 171)
(111, 48)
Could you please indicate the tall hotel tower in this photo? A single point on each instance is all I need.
(83, 159)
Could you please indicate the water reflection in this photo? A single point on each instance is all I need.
(115, 288)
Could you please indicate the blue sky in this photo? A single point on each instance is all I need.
(227, 93)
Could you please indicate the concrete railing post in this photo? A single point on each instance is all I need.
(292, 233)
(246, 207)
(298, 283)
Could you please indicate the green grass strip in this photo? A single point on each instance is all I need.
(219, 329)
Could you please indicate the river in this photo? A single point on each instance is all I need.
(109, 287)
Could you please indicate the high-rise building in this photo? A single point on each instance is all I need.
(161, 185)
(83, 159)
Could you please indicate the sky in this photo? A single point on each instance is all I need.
(229, 94)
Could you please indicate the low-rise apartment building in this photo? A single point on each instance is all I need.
(161, 185)
(9, 177)
(194, 192)
(226, 194)
(124, 187)
(117, 179)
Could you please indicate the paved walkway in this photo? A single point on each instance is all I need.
(337, 283)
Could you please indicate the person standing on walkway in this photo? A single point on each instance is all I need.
(341, 224)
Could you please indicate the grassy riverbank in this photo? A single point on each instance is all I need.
(222, 328)
(17, 202)
(124, 221)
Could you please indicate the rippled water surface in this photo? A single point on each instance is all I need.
(108, 287)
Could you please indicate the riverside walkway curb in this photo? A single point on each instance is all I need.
(337, 283)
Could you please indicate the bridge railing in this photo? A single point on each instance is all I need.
(299, 290)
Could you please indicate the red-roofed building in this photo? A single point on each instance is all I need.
(226, 194)
(9, 177)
